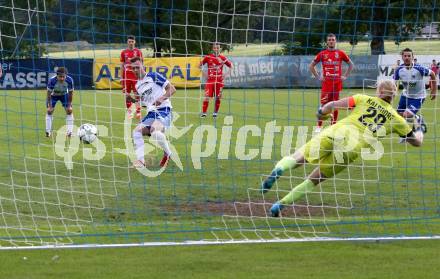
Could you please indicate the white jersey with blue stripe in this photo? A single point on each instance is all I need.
(58, 88)
(150, 89)
(412, 80)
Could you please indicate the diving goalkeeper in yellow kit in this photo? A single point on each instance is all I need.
(342, 143)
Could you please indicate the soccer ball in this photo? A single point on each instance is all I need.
(87, 133)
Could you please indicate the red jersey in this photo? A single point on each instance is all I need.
(126, 55)
(331, 63)
(215, 66)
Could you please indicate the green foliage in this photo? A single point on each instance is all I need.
(300, 47)
(188, 27)
(19, 27)
(354, 21)
(169, 27)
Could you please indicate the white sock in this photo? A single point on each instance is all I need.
(159, 138)
(49, 122)
(69, 123)
(139, 145)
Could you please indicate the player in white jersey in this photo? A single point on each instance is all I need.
(154, 91)
(414, 93)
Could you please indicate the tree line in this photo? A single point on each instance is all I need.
(188, 27)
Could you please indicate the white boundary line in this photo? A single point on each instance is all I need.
(209, 242)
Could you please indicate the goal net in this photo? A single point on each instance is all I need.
(58, 191)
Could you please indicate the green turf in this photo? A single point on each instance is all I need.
(106, 201)
(403, 260)
(420, 47)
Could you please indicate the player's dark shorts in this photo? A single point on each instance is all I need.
(409, 104)
(164, 115)
(64, 99)
(128, 85)
(213, 88)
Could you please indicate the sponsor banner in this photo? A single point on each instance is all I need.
(387, 63)
(34, 73)
(181, 71)
(292, 71)
(364, 72)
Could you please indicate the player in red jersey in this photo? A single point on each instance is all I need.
(129, 78)
(331, 77)
(215, 77)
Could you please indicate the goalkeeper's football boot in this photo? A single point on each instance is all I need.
(202, 115)
(270, 180)
(276, 208)
(48, 134)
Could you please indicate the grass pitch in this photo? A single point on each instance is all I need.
(213, 197)
(105, 201)
(403, 260)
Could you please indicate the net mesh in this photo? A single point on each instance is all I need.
(60, 191)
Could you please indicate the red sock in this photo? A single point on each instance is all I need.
(205, 106)
(128, 104)
(335, 117)
(217, 104)
(138, 107)
(319, 123)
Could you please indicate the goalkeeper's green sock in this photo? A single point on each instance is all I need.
(286, 163)
(298, 192)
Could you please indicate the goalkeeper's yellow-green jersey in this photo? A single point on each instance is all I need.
(374, 114)
(340, 144)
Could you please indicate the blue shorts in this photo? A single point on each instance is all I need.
(64, 99)
(409, 104)
(164, 115)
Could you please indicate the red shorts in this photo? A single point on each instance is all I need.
(331, 86)
(330, 91)
(128, 85)
(214, 88)
(328, 97)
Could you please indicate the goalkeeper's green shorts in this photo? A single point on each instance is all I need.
(320, 151)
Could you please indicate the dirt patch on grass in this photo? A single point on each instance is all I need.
(244, 208)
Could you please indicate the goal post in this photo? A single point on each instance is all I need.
(58, 191)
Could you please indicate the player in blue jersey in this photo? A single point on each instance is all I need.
(154, 91)
(411, 75)
(60, 89)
